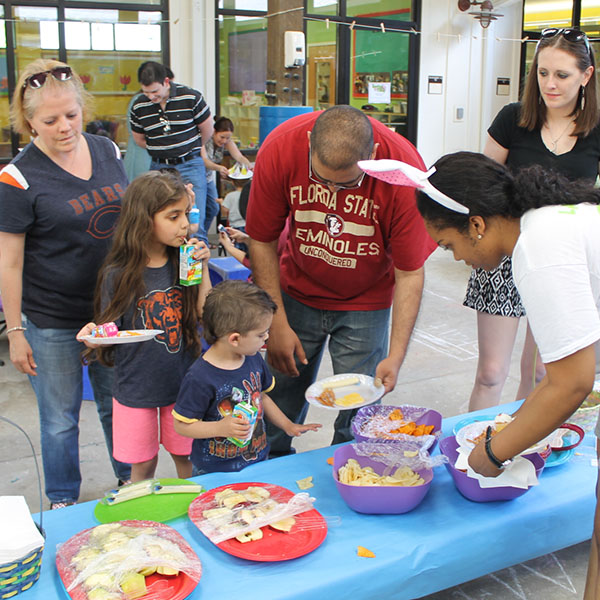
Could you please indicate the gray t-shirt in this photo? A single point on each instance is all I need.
(148, 374)
(214, 153)
(232, 203)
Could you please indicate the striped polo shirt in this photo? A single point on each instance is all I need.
(171, 133)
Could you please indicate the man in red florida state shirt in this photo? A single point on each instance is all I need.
(354, 255)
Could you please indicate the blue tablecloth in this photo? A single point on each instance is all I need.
(445, 541)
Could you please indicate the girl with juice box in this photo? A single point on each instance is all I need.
(139, 288)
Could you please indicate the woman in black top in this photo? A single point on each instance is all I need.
(556, 126)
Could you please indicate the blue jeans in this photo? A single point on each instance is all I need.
(194, 172)
(212, 206)
(357, 340)
(58, 387)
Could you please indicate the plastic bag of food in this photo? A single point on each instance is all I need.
(233, 513)
(111, 561)
(387, 423)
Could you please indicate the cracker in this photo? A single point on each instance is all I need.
(365, 552)
(306, 483)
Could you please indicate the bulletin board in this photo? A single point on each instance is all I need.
(379, 56)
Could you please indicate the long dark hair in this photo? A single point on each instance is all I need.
(488, 189)
(533, 108)
(127, 259)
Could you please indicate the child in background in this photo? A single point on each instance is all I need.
(231, 209)
(230, 238)
(212, 153)
(236, 320)
(138, 288)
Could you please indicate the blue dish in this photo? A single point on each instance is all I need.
(471, 419)
(554, 460)
(559, 458)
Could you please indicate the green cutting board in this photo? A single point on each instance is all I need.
(154, 507)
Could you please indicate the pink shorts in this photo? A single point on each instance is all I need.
(136, 436)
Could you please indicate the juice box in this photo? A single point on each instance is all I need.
(247, 411)
(190, 268)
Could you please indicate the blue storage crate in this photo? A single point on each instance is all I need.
(226, 267)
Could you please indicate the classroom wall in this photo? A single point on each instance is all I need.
(469, 59)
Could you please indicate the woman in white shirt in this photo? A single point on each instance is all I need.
(549, 226)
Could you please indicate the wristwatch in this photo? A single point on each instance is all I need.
(499, 464)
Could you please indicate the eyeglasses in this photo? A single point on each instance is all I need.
(37, 80)
(571, 35)
(347, 185)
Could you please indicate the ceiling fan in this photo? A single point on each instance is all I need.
(485, 15)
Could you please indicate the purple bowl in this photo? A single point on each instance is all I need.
(389, 500)
(431, 417)
(470, 487)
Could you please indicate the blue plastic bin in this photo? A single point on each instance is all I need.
(226, 267)
(271, 116)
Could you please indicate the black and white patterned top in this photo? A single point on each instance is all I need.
(172, 132)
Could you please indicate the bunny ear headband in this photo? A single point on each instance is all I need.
(400, 173)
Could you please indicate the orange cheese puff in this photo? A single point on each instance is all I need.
(330, 460)
(365, 552)
(419, 430)
(396, 415)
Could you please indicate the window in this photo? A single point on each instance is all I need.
(105, 46)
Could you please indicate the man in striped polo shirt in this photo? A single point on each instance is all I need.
(172, 121)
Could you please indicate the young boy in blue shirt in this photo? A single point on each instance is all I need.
(236, 320)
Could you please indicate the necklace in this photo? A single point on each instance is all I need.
(555, 141)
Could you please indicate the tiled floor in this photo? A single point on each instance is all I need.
(438, 372)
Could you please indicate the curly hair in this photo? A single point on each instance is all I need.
(489, 189)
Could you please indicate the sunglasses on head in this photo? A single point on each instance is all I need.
(571, 35)
(37, 80)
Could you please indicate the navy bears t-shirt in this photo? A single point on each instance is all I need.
(68, 223)
(207, 394)
(148, 374)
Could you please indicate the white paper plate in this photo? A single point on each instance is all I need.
(239, 175)
(472, 430)
(130, 336)
(365, 387)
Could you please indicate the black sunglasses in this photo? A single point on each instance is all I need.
(571, 35)
(37, 80)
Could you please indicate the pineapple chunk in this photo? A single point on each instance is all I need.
(167, 571)
(250, 536)
(133, 585)
(102, 594)
(99, 580)
(284, 525)
(233, 500)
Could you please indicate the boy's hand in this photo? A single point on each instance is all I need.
(295, 430)
(231, 426)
